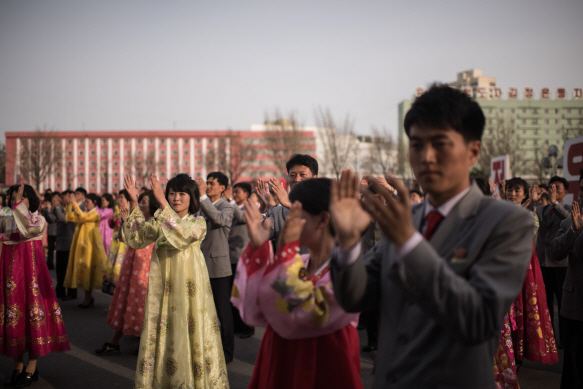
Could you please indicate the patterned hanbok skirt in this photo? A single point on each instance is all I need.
(30, 316)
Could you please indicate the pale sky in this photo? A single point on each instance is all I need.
(205, 65)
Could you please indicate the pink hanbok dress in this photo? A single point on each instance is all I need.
(30, 316)
(126, 312)
(105, 230)
(309, 340)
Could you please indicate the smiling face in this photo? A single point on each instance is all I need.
(441, 160)
(179, 201)
(213, 188)
(239, 195)
(79, 197)
(89, 204)
(561, 191)
(297, 174)
(515, 194)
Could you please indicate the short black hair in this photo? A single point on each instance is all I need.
(314, 195)
(47, 196)
(154, 204)
(125, 194)
(302, 160)
(545, 196)
(518, 181)
(110, 200)
(222, 179)
(444, 107)
(28, 193)
(66, 192)
(81, 190)
(95, 198)
(483, 185)
(561, 180)
(245, 187)
(183, 183)
(416, 191)
(56, 193)
(544, 186)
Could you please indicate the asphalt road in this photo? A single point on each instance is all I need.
(80, 368)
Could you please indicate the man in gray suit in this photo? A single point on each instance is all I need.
(447, 270)
(238, 239)
(65, 233)
(215, 248)
(569, 242)
(554, 270)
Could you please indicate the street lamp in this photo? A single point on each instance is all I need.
(552, 161)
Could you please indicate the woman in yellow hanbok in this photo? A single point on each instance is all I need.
(118, 247)
(180, 346)
(87, 258)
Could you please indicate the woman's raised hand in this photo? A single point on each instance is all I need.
(132, 188)
(19, 193)
(293, 226)
(123, 211)
(158, 191)
(258, 231)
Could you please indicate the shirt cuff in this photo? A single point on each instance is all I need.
(346, 258)
(405, 249)
(203, 197)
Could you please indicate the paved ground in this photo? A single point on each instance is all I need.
(87, 330)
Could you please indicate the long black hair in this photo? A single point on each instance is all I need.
(110, 201)
(154, 204)
(94, 198)
(28, 193)
(183, 183)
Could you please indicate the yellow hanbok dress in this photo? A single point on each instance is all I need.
(180, 346)
(87, 258)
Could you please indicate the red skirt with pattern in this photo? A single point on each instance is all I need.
(534, 338)
(126, 311)
(30, 316)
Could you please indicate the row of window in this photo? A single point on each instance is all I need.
(138, 141)
(535, 111)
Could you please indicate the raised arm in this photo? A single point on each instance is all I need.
(223, 217)
(139, 233)
(29, 225)
(179, 233)
(238, 214)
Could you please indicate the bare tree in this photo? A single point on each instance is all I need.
(338, 141)
(144, 165)
(39, 155)
(283, 138)
(2, 163)
(502, 139)
(540, 170)
(234, 156)
(381, 158)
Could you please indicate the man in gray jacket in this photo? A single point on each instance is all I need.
(569, 242)
(47, 209)
(215, 248)
(448, 269)
(65, 232)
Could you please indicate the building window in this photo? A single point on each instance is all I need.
(80, 152)
(127, 141)
(115, 152)
(58, 185)
(185, 141)
(534, 121)
(59, 175)
(70, 164)
(81, 174)
(162, 174)
(69, 153)
(92, 174)
(197, 163)
(69, 141)
(93, 163)
(151, 141)
(197, 152)
(185, 152)
(104, 152)
(81, 163)
(210, 141)
(162, 152)
(92, 152)
(174, 152)
(174, 163)
(198, 141)
(139, 152)
(174, 141)
(103, 142)
(115, 141)
(535, 111)
(93, 184)
(115, 185)
(92, 141)
(80, 142)
(185, 163)
(116, 174)
(115, 163)
(128, 153)
(139, 141)
(161, 141)
(558, 132)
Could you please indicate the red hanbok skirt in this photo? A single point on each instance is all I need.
(126, 312)
(30, 316)
(329, 361)
(534, 337)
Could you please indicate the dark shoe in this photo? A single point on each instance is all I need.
(108, 349)
(247, 334)
(68, 298)
(26, 379)
(369, 348)
(50, 266)
(90, 305)
(14, 379)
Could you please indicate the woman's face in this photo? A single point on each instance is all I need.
(121, 201)
(104, 202)
(515, 194)
(13, 201)
(89, 204)
(145, 207)
(179, 201)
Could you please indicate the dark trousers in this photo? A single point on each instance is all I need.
(239, 325)
(372, 326)
(572, 377)
(222, 296)
(61, 269)
(554, 278)
(51, 240)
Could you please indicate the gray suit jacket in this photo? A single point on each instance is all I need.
(215, 246)
(549, 226)
(239, 235)
(441, 315)
(570, 243)
(51, 219)
(276, 216)
(65, 230)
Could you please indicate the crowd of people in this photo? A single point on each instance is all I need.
(455, 284)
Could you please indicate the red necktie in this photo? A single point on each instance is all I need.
(433, 220)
